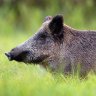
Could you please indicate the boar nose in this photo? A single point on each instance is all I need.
(9, 56)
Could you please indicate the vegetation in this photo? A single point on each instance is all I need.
(17, 23)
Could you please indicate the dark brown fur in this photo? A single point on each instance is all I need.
(59, 47)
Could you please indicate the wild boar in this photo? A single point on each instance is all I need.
(59, 47)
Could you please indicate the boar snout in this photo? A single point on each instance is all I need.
(9, 56)
(17, 55)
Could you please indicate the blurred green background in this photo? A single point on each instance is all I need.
(28, 15)
(20, 19)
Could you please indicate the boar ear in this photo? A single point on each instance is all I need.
(56, 25)
(47, 18)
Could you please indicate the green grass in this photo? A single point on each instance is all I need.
(19, 79)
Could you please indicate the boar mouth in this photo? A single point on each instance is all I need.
(25, 57)
(11, 56)
(39, 59)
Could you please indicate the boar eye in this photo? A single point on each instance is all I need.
(43, 36)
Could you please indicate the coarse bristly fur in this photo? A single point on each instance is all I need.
(59, 47)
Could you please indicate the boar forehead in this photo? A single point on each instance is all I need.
(36, 39)
(43, 33)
